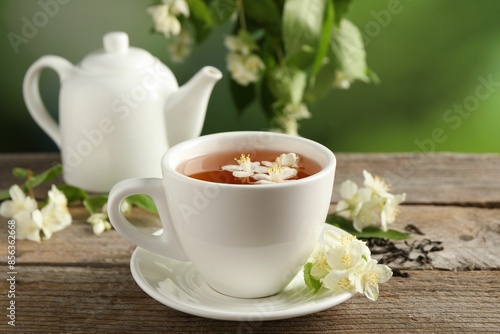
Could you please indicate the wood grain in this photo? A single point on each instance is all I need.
(438, 178)
(77, 282)
(470, 237)
(98, 300)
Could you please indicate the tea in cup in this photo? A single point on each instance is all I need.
(246, 208)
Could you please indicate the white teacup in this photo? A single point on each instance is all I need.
(246, 241)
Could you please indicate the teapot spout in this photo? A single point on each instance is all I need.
(186, 108)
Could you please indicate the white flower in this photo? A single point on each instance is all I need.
(369, 206)
(243, 65)
(55, 214)
(178, 7)
(244, 68)
(245, 167)
(288, 160)
(277, 174)
(165, 16)
(125, 208)
(288, 125)
(285, 160)
(351, 199)
(376, 184)
(99, 222)
(345, 253)
(28, 225)
(338, 280)
(344, 263)
(367, 214)
(335, 239)
(366, 281)
(297, 111)
(390, 210)
(180, 47)
(320, 265)
(342, 80)
(253, 63)
(19, 202)
(291, 114)
(243, 43)
(236, 44)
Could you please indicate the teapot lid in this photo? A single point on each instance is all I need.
(117, 55)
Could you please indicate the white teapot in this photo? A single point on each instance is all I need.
(120, 110)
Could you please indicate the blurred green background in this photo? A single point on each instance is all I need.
(430, 57)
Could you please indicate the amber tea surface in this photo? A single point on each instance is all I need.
(208, 167)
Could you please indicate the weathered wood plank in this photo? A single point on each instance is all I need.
(79, 299)
(430, 178)
(426, 178)
(470, 237)
(78, 245)
(78, 282)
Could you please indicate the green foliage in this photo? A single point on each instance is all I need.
(312, 283)
(242, 96)
(32, 180)
(341, 7)
(324, 42)
(287, 84)
(263, 12)
(20, 173)
(36, 179)
(143, 202)
(302, 45)
(72, 193)
(221, 10)
(201, 18)
(94, 204)
(4, 194)
(302, 25)
(368, 232)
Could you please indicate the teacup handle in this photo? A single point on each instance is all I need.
(165, 244)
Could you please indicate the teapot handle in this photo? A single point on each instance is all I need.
(32, 96)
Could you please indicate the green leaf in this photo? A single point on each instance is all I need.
(302, 25)
(287, 84)
(368, 232)
(143, 202)
(322, 83)
(262, 11)
(266, 99)
(312, 283)
(44, 176)
(72, 193)
(221, 10)
(341, 7)
(94, 204)
(201, 18)
(20, 173)
(4, 194)
(242, 96)
(348, 50)
(373, 76)
(324, 41)
(375, 232)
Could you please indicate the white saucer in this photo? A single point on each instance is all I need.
(179, 286)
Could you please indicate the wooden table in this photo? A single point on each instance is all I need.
(79, 282)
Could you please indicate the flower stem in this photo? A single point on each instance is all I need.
(29, 175)
(241, 14)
